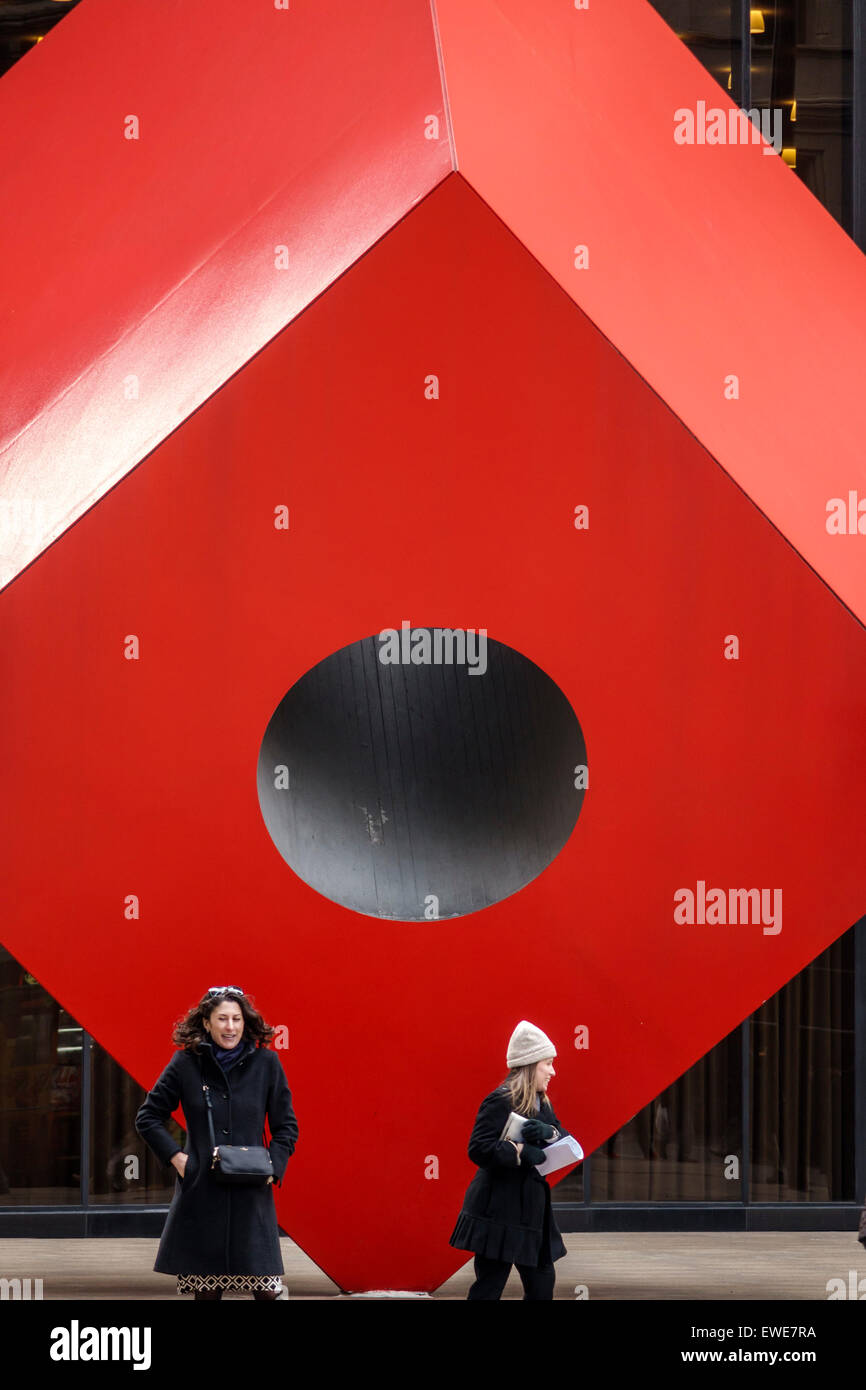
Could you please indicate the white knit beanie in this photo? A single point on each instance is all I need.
(528, 1044)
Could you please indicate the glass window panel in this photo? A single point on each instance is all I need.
(23, 24)
(686, 1146)
(40, 1093)
(711, 29)
(570, 1189)
(802, 1063)
(802, 53)
(122, 1168)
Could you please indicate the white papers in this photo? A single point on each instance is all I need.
(559, 1154)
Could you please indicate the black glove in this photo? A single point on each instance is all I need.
(537, 1132)
(529, 1154)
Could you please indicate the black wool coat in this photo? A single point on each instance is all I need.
(507, 1201)
(215, 1228)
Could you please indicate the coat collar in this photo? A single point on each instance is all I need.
(206, 1049)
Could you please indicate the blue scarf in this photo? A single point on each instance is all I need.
(228, 1057)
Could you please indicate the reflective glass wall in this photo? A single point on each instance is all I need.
(121, 1168)
(687, 1145)
(767, 1117)
(24, 23)
(67, 1110)
(802, 1085)
(40, 1093)
(793, 59)
(712, 29)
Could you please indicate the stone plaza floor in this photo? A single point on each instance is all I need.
(718, 1266)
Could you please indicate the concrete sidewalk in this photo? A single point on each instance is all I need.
(737, 1265)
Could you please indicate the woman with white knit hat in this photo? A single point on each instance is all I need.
(507, 1217)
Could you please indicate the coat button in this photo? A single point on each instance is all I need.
(225, 1131)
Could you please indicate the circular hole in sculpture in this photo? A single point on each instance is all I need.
(422, 774)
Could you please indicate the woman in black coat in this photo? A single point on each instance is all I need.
(507, 1217)
(220, 1236)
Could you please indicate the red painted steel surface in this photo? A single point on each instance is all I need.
(140, 777)
(704, 260)
(154, 258)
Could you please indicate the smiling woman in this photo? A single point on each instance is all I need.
(221, 1236)
(506, 1218)
(226, 1023)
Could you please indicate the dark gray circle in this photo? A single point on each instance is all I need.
(421, 789)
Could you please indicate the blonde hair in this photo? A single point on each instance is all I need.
(520, 1085)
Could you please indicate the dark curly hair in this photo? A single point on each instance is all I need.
(189, 1032)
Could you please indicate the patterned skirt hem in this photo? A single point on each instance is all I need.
(229, 1283)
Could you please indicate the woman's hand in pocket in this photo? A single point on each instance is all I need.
(179, 1161)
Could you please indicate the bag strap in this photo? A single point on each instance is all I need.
(209, 1103)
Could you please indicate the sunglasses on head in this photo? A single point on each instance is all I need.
(226, 989)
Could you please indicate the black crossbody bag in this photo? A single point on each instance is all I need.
(237, 1163)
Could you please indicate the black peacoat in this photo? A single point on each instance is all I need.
(506, 1202)
(214, 1228)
